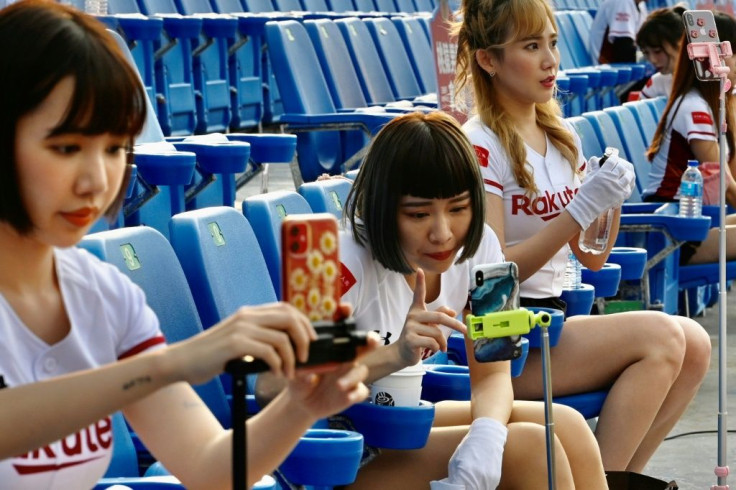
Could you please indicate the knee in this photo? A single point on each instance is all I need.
(526, 448)
(698, 345)
(669, 343)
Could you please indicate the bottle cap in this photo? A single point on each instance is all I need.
(692, 163)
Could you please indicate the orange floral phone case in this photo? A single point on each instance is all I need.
(311, 265)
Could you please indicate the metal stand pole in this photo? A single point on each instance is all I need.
(548, 415)
(721, 469)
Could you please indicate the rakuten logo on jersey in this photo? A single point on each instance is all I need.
(86, 445)
(546, 206)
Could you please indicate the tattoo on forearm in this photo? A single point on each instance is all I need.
(141, 380)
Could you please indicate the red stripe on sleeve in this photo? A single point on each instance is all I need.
(493, 184)
(143, 346)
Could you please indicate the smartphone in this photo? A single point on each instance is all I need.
(495, 288)
(700, 27)
(310, 265)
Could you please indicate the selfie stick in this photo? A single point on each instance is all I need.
(520, 322)
(711, 52)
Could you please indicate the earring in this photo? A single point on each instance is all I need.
(491, 74)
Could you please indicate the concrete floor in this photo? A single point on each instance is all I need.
(690, 454)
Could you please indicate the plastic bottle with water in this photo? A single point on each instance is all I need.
(691, 191)
(594, 239)
(573, 272)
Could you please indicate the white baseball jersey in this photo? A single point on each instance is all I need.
(693, 120)
(658, 85)
(109, 321)
(614, 18)
(381, 298)
(525, 215)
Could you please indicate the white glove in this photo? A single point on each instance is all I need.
(603, 188)
(476, 463)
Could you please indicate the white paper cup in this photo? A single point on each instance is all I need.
(401, 389)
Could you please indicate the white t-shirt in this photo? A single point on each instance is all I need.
(658, 85)
(524, 216)
(381, 298)
(109, 321)
(615, 18)
(692, 121)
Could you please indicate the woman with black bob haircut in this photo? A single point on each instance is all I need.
(428, 161)
(50, 46)
(79, 340)
(414, 233)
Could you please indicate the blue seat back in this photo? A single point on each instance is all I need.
(394, 58)
(644, 118)
(315, 5)
(417, 46)
(222, 261)
(365, 59)
(578, 49)
(175, 79)
(336, 65)
(327, 196)
(265, 212)
(633, 142)
(227, 6)
(124, 462)
(258, 6)
(144, 255)
(364, 5)
(305, 91)
(609, 136)
(406, 6)
(592, 145)
(424, 5)
(659, 104)
(386, 6)
(341, 6)
(287, 5)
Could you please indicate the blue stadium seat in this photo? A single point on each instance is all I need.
(209, 58)
(327, 196)
(310, 111)
(238, 55)
(419, 50)
(174, 79)
(222, 261)
(265, 212)
(394, 58)
(144, 255)
(140, 33)
(644, 119)
(634, 145)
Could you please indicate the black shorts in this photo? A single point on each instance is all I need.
(550, 302)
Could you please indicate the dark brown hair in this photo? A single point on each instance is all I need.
(50, 42)
(422, 155)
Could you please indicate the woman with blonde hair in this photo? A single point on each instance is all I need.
(532, 167)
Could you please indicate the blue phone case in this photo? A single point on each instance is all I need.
(496, 289)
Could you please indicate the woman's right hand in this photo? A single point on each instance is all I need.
(604, 188)
(421, 333)
(276, 333)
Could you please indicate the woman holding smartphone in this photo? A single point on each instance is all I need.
(415, 232)
(79, 341)
(532, 167)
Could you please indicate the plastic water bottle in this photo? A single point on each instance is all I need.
(594, 239)
(691, 191)
(95, 7)
(573, 272)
